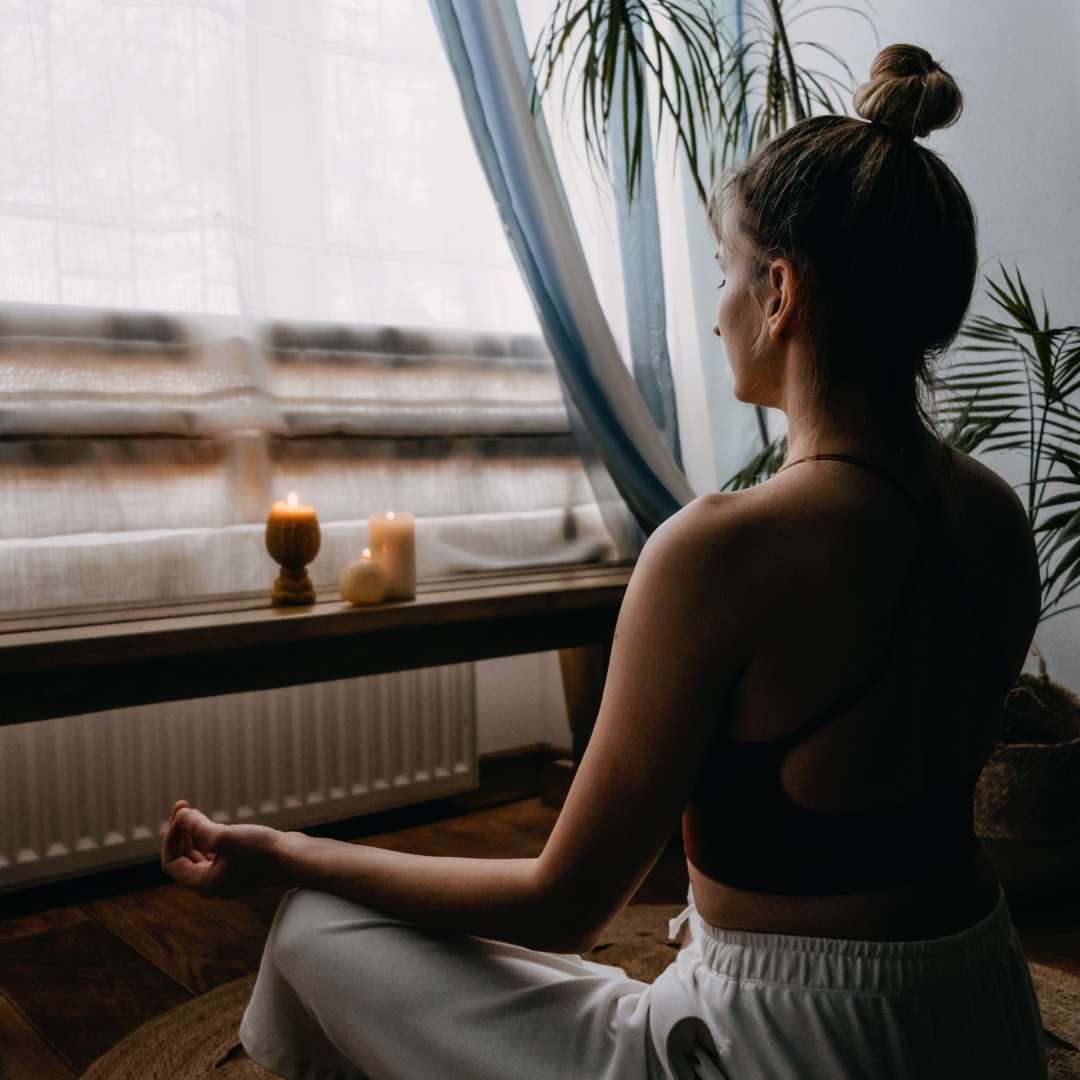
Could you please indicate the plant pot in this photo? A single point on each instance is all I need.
(1027, 801)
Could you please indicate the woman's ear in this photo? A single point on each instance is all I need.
(782, 299)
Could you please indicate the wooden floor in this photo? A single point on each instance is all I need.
(82, 964)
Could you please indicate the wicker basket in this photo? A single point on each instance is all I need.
(1027, 802)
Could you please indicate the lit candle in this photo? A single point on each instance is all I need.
(293, 539)
(363, 581)
(393, 546)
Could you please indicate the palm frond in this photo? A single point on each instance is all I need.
(712, 85)
(761, 467)
(1014, 386)
(610, 47)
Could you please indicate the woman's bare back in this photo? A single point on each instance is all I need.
(834, 560)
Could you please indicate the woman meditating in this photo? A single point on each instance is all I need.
(809, 673)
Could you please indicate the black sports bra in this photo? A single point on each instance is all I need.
(741, 827)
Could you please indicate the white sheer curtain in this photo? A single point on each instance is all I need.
(280, 187)
(299, 159)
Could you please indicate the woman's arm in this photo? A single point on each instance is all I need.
(496, 898)
(680, 642)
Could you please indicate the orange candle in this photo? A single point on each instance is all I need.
(293, 540)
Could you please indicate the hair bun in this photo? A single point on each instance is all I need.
(909, 92)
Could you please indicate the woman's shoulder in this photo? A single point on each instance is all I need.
(715, 525)
(699, 582)
(982, 491)
(984, 514)
(989, 535)
(831, 512)
(717, 547)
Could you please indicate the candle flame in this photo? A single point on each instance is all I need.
(390, 513)
(293, 500)
(367, 553)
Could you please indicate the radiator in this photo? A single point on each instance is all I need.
(89, 792)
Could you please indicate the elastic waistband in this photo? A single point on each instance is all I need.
(886, 967)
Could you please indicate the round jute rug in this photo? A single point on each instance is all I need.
(1059, 1003)
(200, 1039)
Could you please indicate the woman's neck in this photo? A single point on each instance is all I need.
(847, 424)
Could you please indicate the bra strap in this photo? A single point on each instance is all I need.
(852, 697)
(990, 639)
(869, 466)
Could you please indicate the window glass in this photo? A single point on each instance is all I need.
(304, 159)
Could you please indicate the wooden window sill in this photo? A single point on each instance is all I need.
(65, 663)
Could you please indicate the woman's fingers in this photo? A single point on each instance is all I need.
(177, 842)
(189, 842)
(199, 878)
(204, 833)
(215, 859)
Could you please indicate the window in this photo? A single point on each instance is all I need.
(248, 249)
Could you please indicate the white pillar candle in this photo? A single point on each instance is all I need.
(393, 546)
(363, 581)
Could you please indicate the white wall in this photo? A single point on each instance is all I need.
(519, 701)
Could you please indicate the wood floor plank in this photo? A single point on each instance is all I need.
(199, 943)
(24, 1054)
(83, 988)
(25, 925)
(517, 830)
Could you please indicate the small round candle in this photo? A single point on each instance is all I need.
(293, 540)
(393, 546)
(363, 581)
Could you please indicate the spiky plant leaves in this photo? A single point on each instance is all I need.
(712, 86)
(1014, 387)
(764, 465)
(608, 48)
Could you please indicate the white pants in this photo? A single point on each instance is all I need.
(346, 991)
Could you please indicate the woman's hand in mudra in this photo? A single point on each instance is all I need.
(219, 860)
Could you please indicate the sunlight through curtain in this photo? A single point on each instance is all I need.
(248, 249)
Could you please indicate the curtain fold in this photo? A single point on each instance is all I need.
(643, 274)
(542, 237)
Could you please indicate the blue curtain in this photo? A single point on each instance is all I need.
(643, 277)
(520, 170)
